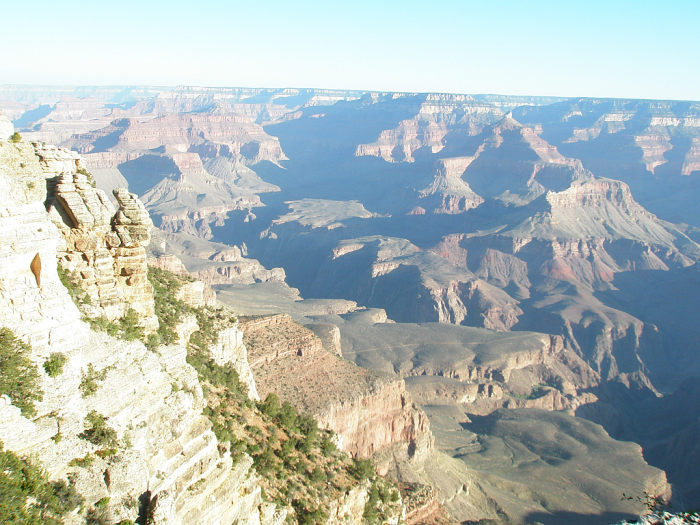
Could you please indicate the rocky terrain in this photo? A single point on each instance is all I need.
(463, 286)
(126, 428)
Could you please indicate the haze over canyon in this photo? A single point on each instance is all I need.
(493, 297)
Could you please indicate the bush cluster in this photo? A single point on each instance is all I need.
(168, 309)
(98, 432)
(90, 380)
(54, 364)
(381, 493)
(19, 378)
(27, 497)
(302, 468)
(127, 328)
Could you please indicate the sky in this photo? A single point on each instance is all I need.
(612, 48)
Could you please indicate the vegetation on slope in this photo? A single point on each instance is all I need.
(300, 465)
(19, 378)
(302, 469)
(127, 328)
(27, 497)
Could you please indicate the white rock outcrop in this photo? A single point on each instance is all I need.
(167, 454)
(230, 349)
(6, 127)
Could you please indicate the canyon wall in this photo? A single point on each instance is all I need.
(166, 456)
(368, 412)
(103, 248)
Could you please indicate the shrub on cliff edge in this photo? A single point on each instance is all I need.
(27, 497)
(99, 433)
(19, 378)
(54, 364)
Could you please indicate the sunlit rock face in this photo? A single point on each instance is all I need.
(166, 455)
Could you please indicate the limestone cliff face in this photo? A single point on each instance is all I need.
(6, 127)
(384, 416)
(229, 348)
(103, 248)
(368, 412)
(33, 302)
(167, 455)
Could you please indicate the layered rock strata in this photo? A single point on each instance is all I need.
(368, 412)
(167, 457)
(209, 262)
(381, 417)
(412, 285)
(104, 248)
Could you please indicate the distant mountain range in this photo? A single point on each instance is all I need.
(574, 223)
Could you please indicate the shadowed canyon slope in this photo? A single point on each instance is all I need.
(500, 262)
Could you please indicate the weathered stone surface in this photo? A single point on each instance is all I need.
(368, 413)
(152, 399)
(104, 248)
(6, 127)
(196, 294)
(230, 349)
(185, 328)
(350, 508)
(663, 518)
(384, 416)
(33, 304)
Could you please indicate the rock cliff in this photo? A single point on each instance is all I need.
(6, 127)
(165, 456)
(103, 249)
(368, 412)
(209, 262)
(436, 115)
(412, 285)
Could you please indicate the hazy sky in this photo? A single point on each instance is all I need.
(611, 48)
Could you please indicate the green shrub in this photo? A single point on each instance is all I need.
(328, 447)
(83, 462)
(362, 469)
(16, 137)
(106, 452)
(97, 516)
(99, 433)
(77, 294)
(308, 515)
(168, 309)
(219, 376)
(27, 497)
(271, 405)
(89, 382)
(130, 329)
(318, 475)
(287, 417)
(54, 364)
(127, 328)
(266, 462)
(19, 378)
(153, 341)
(370, 514)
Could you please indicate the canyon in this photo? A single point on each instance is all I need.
(492, 297)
